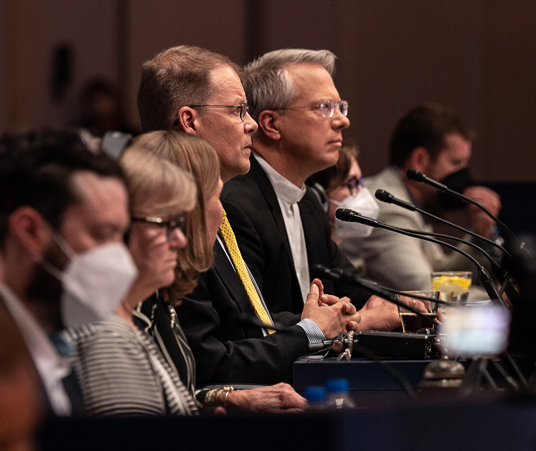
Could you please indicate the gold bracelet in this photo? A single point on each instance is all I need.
(212, 397)
(226, 390)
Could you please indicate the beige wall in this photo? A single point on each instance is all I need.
(156, 25)
(475, 56)
(35, 27)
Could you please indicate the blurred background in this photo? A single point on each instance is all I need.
(62, 60)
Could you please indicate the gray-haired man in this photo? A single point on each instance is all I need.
(281, 228)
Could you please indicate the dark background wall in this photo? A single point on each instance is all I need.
(474, 56)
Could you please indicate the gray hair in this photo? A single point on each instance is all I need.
(267, 83)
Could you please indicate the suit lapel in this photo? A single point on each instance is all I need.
(268, 192)
(313, 234)
(230, 279)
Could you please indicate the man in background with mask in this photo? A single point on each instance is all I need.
(280, 227)
(436, 142)
(64, 212)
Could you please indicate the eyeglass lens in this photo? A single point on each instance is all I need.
(354, 183)
(177, 223)
(327, 109)
(244, 108)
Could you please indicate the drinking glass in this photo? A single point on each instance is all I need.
(411, 322)
(453, 285)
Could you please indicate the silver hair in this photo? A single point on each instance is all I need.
(267, 83)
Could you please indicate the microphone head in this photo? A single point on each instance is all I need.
(415, 175)
(384, 196)
(320, 271)
(323, 272)
(344, 214)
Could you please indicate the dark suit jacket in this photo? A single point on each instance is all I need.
(225, 351)
(71, 385)
(254, 213)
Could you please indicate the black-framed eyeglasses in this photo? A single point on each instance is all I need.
(242, 109)
(353, 184)
(172, 225)
(327, 108)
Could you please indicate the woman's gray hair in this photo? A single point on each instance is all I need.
(268, 85)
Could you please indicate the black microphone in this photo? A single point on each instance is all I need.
(487, 282)
(387, 197)
(501, 274)
(349, 278)
(372, 286)
(417, 176)
(345, 214)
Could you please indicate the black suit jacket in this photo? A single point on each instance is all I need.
(254, 213)
(225, 351)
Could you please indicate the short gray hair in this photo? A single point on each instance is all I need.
(268, 85)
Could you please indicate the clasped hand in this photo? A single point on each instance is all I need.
(330, 313)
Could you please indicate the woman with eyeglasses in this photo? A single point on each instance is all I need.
(341, 186)
(120, 368)
(197, 157)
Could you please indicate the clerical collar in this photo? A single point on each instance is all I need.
(284, 188)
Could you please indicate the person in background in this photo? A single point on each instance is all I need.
(341, 186)
(438, 143)
(63, 214)
(100, 109)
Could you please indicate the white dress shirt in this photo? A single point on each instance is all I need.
(288, 196)
(52, 368)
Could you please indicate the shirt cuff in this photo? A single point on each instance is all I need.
(313, 332)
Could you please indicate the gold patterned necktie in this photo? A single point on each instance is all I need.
(229, 239)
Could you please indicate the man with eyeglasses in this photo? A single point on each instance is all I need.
(281, 228)
(199, 92)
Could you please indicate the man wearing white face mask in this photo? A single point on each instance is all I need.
(63, 214)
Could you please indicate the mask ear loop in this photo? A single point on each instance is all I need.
(61, 242)
(65, 248)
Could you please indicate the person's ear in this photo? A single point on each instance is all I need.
(29, 230)
(419, 159)
(187, 121)
(269, 122)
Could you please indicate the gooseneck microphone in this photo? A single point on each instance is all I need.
(501, 274)
(340, 275)
(418, 176)
(385, 196)
(369, 285)
(345, 214)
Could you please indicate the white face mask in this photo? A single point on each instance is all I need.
(363, 203)
(94, 282)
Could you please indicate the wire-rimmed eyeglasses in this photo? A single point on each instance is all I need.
(327, 108)
(172, 225)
